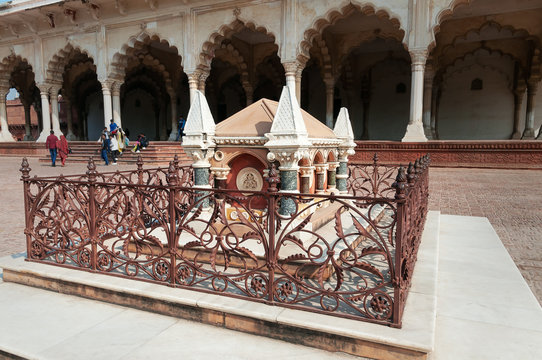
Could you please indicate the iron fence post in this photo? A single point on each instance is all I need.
(25, 170)
(91, 176)
(173, 180)
(139, 164)
(273, 179)
(400, 186)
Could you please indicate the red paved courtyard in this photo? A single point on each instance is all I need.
(510, 199)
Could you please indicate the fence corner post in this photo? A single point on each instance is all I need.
(91, 178)
(172, 178)
(25, 170)
(400, 186)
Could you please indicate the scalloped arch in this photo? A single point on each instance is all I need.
(8, 64)
(316, 29)
(449, 71)
(448, 12)
(486, 25)
(237, 60)
(55, 67)
(214, 41)
(120, 58)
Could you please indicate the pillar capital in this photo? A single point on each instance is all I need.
(107, 84)
(287, 158)
(220, 173)
(291, 67)
(532, 85)
(306, 171)
(332, 166)
(321, 168)
(418, 57)
(115, 88)
(54, 89)
(44, 88)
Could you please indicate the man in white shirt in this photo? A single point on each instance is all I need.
(114, 148)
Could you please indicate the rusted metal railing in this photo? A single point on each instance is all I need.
(350, 255)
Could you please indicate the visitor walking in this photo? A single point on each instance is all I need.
(106, 147)
(50, 144)
(114, 148)
(63, 149)
(180, 134)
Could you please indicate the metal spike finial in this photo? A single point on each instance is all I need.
(25, 169)
(139, 162)
(273, 179)
(171, 176)
(400, 183)
(375, 159)
(411, 173)
(91, 172)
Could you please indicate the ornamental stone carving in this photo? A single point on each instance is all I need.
(249, 179)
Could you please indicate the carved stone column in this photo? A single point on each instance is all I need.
(519, 92)
(106, 92)
(5, 135)
(198, 142)
(202, 80)
(306, 173)
(288, 160)
(115, 93)
(298, 76)
(193, 80)
(27, 121)
(174, 122)
(45, 115)
(427, 97)
(342, 175)
(434, 111)
(330, 92)
(290, 69)
(220, 175)
(162, 122)
(249, 92)
(54, 109)
(528, 133)
(414, 131)
(321, 170)
(332, 175)
(366, 101)
(69, 135)
(343, 130)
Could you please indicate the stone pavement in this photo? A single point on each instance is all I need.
(510, 199)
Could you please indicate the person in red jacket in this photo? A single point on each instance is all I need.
(50, 144)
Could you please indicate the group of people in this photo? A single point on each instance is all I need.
(58, 147)
(115, 140)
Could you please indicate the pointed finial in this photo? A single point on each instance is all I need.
(91, 172)
(139, 163)
(176, 161)
(375, 159)
(273, 179)
(25, 169)
(411, 173)
(400, 184)
(172, 177)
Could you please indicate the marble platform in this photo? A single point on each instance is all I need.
(468, 301)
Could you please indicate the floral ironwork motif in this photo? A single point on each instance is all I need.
(349, 255)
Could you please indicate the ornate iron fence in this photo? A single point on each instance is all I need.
(350, 255)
